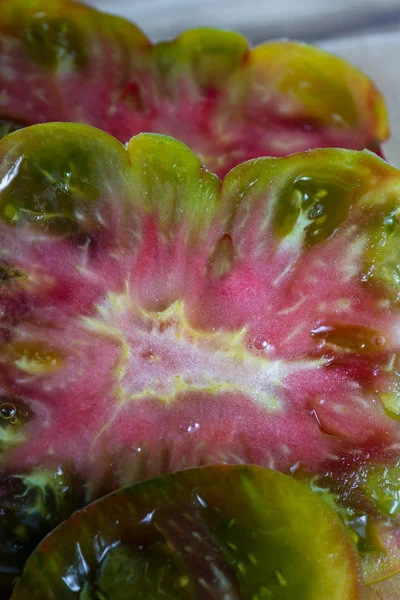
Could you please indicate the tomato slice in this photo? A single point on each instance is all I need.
(154, 319)
(233, 532)
(63, 61)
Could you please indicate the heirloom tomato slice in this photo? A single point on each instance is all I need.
(155, 319)
(223, 532)
(63, 61)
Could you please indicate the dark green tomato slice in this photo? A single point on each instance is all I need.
(232, 532)
(31, 505)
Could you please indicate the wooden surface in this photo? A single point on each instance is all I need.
(386, 590)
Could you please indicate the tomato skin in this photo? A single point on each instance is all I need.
(67, 62)
(235, 530)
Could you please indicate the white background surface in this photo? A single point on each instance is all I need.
(378, 55)
(258, 19)
(365, 32)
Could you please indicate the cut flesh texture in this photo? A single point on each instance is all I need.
(215, 533)
(62, 61)
(153, 320)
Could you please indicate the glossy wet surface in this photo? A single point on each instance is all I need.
(221, 532)
(153, 321)
(227, 102)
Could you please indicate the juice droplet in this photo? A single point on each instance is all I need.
(260, 343)
(7, 410)
(190, 427)
(17, 544)
(13, 412)
(295, 467)
(201, 500)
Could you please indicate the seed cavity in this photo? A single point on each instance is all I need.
(34, 358)
(8, 273)
(53, 41)
(222, 259)
(317, 203)
(349, 338)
